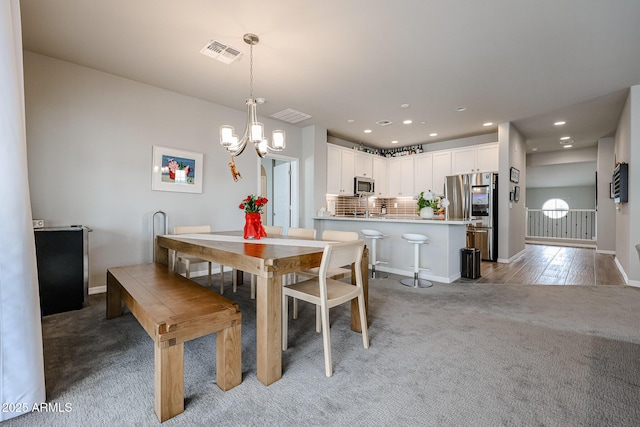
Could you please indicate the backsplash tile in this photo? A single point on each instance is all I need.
(352, 205)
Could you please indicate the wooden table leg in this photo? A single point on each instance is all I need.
(229, 357)
(169, 380)
(269, 328)
(355, 313)
(114, 297)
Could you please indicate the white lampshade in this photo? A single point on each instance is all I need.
(226, 135)
(278, 140)
(262, 147)
(257, 132)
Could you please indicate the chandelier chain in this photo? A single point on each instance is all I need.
(251, 71)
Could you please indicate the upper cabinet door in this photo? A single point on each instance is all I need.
(463, 160)
(348, 172)
(334, 169)
(488, 158)
(400, 177)
(380, 175)
(441, 169)
(422, 172)
(363, 164)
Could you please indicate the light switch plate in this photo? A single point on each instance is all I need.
(38, 223)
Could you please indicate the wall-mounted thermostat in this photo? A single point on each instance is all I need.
(38, 223)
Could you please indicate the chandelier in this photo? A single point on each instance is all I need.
(254, 130)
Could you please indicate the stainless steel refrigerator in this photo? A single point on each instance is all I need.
(475, 197)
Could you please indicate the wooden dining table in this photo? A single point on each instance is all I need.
(268, 259)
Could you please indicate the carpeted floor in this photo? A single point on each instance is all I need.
(450, 355)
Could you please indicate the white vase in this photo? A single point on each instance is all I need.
(426, 213)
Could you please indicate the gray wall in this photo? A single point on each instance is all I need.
(606, 221)
(627, 149)
(89, 142)
(512, 224)
(577, 197)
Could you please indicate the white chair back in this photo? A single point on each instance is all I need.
(191, 229)
(274, 230)
(306, 233)
(339, 254)
(339, 236)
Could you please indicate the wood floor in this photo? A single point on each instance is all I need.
(553, 265)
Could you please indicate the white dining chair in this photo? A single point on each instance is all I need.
(326, 293)
(340, 272)
(189, 260)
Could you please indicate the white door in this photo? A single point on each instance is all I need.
(282, 194)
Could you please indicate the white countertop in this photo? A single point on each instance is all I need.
(396, 218)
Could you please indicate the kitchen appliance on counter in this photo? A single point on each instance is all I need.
(475, 197)
(363, 186)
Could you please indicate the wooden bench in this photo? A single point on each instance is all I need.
(173, 310)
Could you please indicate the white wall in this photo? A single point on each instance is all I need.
(512, 224)
(89, 141)
(606, 220)
(627, 149)
(583, 197)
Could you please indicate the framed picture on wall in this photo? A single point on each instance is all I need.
(176, 170)
(515, 175)
(516, 193)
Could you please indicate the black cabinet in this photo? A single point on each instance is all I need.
(63, 268)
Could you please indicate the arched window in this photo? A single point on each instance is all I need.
(555, 208)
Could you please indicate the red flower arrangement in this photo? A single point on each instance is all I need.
(253, 204)
(252, 207)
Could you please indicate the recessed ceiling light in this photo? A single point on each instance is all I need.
(404, 106)
(394, 142)
(407, 122)
(564, 138)
(461, 109)
(534, 149)
(433, 134)
(350, 121)
(488, 124)
(568, 146)
(367, 131)
(423, 123)
(560, 123)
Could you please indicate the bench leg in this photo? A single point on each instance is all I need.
(229, 357)
(169, 381)
(114, 297)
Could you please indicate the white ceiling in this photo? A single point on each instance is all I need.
(529, 62)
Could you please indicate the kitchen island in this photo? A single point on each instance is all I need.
(441, 256)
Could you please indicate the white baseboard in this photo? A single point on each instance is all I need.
(602, 251)
(621, 270)
(513, 258)
(423, 274)
(97, 290)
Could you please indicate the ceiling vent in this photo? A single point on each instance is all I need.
(220, 51)
(566, 141)
(290, 116)
(383, 123)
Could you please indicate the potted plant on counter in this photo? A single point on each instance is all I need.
(428, 203)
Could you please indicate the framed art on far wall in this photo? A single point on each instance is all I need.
(176, 170)
(515, 175)
(516, 193)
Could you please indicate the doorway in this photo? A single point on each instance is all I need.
(279, 183)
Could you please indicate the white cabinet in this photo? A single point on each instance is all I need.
(340, 170)
(441, 169)
(400, 177)
(379, 165)
(422, 172)
(363, 164)
(479, 158)
(488, 158)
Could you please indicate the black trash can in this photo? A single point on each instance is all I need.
(470, 263)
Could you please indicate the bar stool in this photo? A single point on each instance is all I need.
(416, 240)
(374, 235)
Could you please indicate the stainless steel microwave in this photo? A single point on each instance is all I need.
(363, 186)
